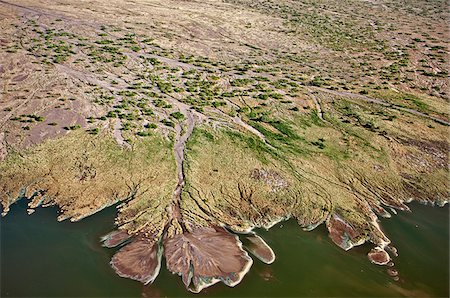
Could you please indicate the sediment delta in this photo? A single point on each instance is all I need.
(198, 151)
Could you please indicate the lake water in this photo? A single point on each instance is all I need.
(42, 257)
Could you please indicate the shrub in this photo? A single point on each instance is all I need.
(73, 127)
(167, 123)
(94, 131)
(177, 115)
(151, 125)
(143, 133)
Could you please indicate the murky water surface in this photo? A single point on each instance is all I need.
(41, 257)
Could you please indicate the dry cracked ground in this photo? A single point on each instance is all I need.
(201, 120)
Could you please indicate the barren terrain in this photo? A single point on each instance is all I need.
(206, 119)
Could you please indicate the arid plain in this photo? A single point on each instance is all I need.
(201, 120)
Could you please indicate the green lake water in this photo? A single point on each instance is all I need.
(42, 257)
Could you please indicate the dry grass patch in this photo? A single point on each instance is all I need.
(82, 174)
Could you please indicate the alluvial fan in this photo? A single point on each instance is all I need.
(204, 121)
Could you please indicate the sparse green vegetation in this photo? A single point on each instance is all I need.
(177, 115)
(307, 109)
(167, 123)
(72, 127)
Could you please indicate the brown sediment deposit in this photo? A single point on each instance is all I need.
(393, 250)
(140, 260)
(259, 248)
(201, 256)
(205, 256)
(379, 256)
(115, 238)
(342, 233)
(392, 272)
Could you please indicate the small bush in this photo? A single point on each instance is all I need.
(151, 125)
(167, 123)
(177, 115)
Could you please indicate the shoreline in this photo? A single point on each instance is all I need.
(291, 225)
